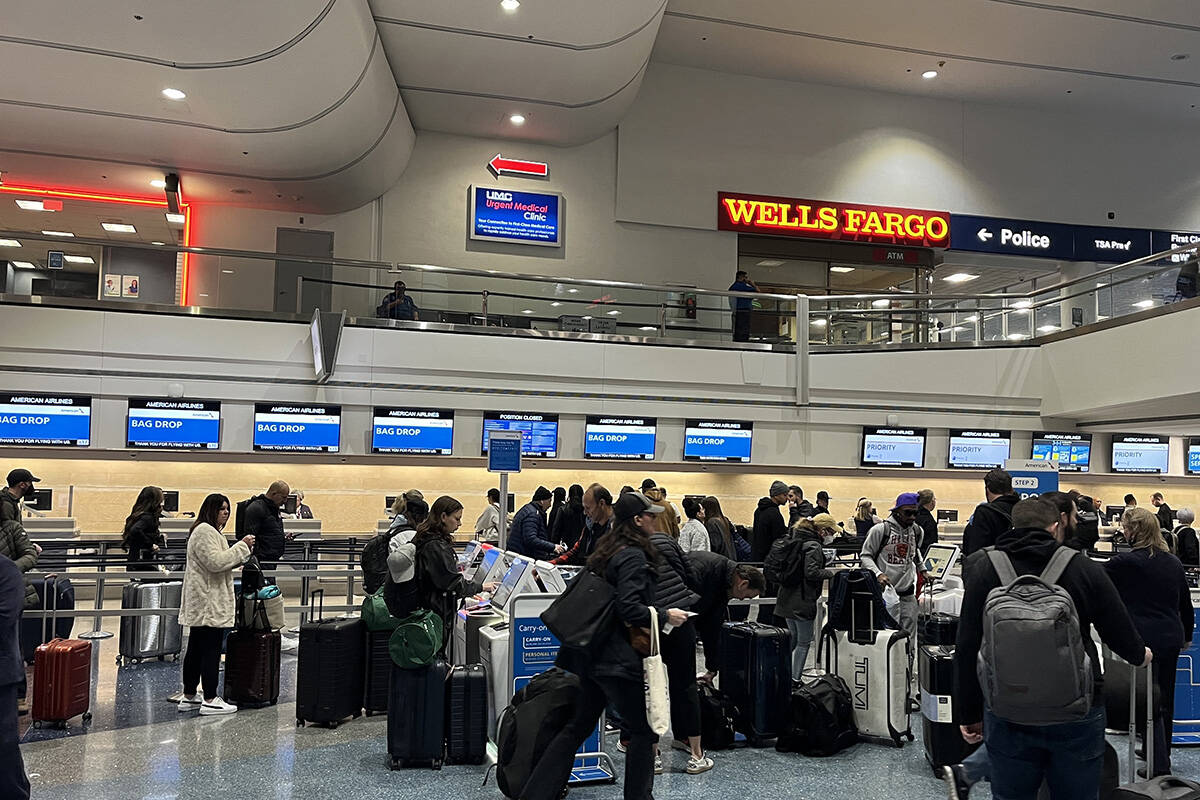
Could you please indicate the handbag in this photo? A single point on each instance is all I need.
(417, 640)
(375, 613)
(658, 698)
(262, 614)
(583, 616)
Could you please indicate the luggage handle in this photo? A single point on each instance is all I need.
(316, 616)
(1134, 671)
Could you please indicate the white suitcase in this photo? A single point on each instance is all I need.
(877, 673)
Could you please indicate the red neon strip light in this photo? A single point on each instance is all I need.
(187, 257)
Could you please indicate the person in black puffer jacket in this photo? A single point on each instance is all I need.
(142, 537)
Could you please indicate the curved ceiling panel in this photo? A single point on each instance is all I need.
(322, 112)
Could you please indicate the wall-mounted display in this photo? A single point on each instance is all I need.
(717, 440)
(979, 449)
(165, 423)
(1072, 451)
(539, 432)
(506, 215)
(625, 438)
(893, 447)
(413, 431)
(297, 428)
(1140, 453)
(43, 420)
(1193, 455)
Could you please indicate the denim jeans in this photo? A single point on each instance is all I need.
(802, 635)
(978, 766)
(1068, 756)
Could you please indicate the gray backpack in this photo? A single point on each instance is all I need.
(1032, 665)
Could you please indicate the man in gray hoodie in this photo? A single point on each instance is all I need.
(892, 552)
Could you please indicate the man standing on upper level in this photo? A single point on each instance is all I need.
(741, 306)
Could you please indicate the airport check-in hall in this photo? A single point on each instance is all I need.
(639, 399)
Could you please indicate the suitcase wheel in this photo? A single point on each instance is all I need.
(333, 726)
(299, 722)
(437, 764)
(396, 763)
(86, 718)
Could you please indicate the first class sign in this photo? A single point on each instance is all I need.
(846, 222)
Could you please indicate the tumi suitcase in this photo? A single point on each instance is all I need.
(1164, 787)
(39, 631)
(416, 721)
(329, 667)
(943, 740)
(756, 675)
(252, 668)
(155, 635)
(377, 670)
(466, 714)
(62, 676)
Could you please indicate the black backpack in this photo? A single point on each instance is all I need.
(851, 584)
(239, 517)
(538, 712)
(374, 561)
(784, 564)
(822, 719)
(717, 713)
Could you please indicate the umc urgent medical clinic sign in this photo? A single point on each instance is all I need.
(844, 222)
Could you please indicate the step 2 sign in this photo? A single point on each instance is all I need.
(1032, 478)
(505, 215)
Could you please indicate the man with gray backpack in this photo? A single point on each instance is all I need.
(1027, 674)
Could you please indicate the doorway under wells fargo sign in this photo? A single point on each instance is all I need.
(845, 222)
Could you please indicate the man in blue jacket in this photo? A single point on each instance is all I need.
(13, 782)
(529, 536)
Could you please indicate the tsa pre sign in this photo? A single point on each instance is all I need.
(1032, 478)
(504, 215)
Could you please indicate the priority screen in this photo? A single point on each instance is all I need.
(893, 447)
(173, 424)
(41, 420)
(978, 449)
(297, 428)
(413, 431)
(1139, 453)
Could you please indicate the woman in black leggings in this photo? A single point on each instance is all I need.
(208, 604)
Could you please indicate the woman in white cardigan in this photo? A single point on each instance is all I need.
(208, 603)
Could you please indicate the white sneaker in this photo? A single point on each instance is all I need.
(697, 765)
(658, 765)
(217, 706)
(189, 703)
(288, 644)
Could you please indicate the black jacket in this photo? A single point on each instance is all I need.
(10, 507)
(266, 525)
(568, 525)
(803, 510)
(1187, 546)
(768, 526)
(987, 523)
(720, 537)
(439, 582)
(12, 603)
(800, 601)
(1156, 594)
(1096, 601)
(528, 536)
(140, 539)
(928, 524)
(1164, 514)
(713, 574)
(632, 577)
(674, 577)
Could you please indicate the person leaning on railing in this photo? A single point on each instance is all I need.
(398, 305)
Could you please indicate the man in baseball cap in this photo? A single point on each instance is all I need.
(20, 486)
(892, 551)
(636, 508)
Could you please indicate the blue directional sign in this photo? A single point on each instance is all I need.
(1115, 245)
(1015, 237)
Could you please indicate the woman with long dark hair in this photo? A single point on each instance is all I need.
(207, 604)
(568, 526)
(556, 507)
(720, 530)
(439, 582)
(611, 671)
(142, 537)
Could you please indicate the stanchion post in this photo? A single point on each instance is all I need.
(98, 604)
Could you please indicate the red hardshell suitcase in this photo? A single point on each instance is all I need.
(252, 668)
(62, 677)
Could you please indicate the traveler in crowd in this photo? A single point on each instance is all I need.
(207, 606)
(264, 522)
(992, 517)
(398, 305)
(612, 672)
(20, 487)
(1024, 753)
(406, 516)
(668, 520)
(1152, 583)
(15, 544)
(1087, 523)
(693, 536)
(892, 552)
(529, 536)
(719, 580)
(142, 538)
(14, 783)
(626, 489)
(408, 511)
(720, 529)
(798, 507)
(741, 306)
(864, 518)
(569, 525)
(439, 582)
(1166, 517)
(673, 579)
(487, 527)
(769, 523)
(1130, 502)
(1186, 544)
(822, 506)
(302, 511)
(598, 522)
(926, 503)
(797, 602)
(556, 505)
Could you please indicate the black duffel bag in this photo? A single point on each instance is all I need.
(822, 719)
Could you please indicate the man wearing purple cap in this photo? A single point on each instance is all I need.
(892, 552)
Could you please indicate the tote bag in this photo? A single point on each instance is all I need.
(658, 698)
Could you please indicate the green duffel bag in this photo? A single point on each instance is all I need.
(417, 640)
(375, 614)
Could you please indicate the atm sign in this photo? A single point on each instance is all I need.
(846, 222)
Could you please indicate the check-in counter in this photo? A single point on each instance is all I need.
(50, 527)
(303, 529)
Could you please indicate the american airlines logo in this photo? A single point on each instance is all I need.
(862, 683)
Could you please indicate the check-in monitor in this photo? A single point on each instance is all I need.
(1114, 513)
(947, 515)
(512, 579)
(495, 563)
(42, 500)
(171, 502)
(468, 555)
(940, 560)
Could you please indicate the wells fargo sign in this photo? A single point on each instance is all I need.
(846, 222)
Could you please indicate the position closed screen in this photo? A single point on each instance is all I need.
(42, 420)
(539, 432)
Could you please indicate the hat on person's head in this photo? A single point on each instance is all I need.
(823, 495)
(649, 484)
(824, 521)
(777, 488)
(630, 504)
(906, 499)
(21, 476)
(542, 493)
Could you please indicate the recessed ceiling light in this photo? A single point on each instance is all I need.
(527, 311)
(960, 277)
(955, 328)
(1015, 337)
(1022, 304)
(770, 262)
(1143, 304)
(587, 316)
(647, 328)
(9, 243)
(841, 269)
(64, 234)
(1047, 328)
(572, 291)
(820, 322)
(555, 304)
(24, 265)
(175, 218)
(118, 227)
(79, 259)
(510, 5)
(173, 94)
(158, 184)
(227, 271)
(31, 205)
(879, 303)
(160, 244)
(1180, 56)
(517, 119)
(614, 313)
(929, 73)
(202, 294)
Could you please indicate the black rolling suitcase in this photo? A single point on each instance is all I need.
(466, 715)
(329, 667)
(756, 675)
(35, 631)
(377, 671)
(416, 721)
(943, 740)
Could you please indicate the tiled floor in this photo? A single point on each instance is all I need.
(139, 746)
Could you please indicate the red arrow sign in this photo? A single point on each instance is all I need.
(499, 165)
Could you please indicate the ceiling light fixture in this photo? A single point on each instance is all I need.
(1143, 304)
(960, 277)
(647, 328)
(770, 262)
(841, 269)
(555, 304)
(1015, 337)
(1022, 305)
(24, 265)
(517, 119)
(955, 328)
(819, 323)
(572, 291)
(158, 184)
(79, 259)
(227, 271)
(527, 311)
(972, 318)
(160, 244)
(1047, 328)
(614, 313)
(929, 73)
(587, 316)
(510, 5)
(118, 227)
(880, 303)
(173, 94)
(9, 243)
(64, 234)
(31, 205)
(176, 219)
